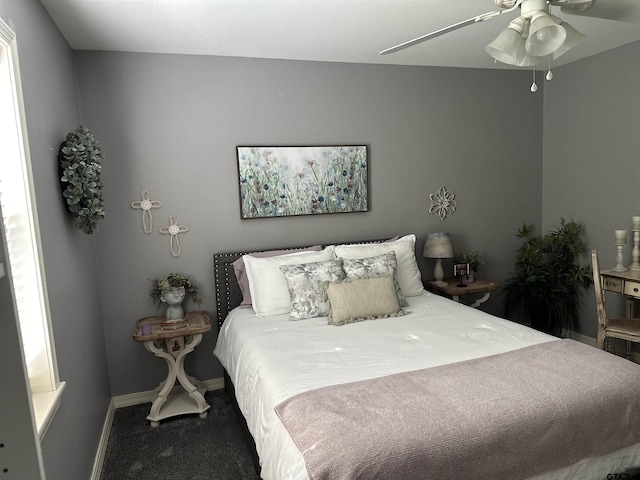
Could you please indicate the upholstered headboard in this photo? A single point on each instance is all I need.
(228, 294)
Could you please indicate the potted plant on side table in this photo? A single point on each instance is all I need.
(173, 290)
(474, 261)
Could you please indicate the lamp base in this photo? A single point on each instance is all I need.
(438, 274)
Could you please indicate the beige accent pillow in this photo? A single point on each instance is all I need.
(362, 299)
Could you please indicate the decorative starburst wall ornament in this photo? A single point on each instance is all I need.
(442, 203)
(146, 205)
(174, 230)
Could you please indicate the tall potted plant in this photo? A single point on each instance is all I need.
(546, 287)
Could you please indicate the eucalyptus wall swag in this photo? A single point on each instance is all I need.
(80, 164)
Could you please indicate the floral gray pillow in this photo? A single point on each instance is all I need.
(307, 285)
(380, 265)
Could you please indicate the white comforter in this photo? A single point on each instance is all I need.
(270, 359)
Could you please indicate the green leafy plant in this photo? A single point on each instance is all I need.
(80, 164)
(174, 280)
(548, 281)
(472, 258)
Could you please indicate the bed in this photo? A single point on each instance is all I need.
(428, 389)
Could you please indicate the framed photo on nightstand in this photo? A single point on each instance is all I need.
(460, 269)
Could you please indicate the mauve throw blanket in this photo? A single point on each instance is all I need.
(511, 415)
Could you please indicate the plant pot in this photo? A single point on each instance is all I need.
(174, 297)
(467, 279)
(539, 317)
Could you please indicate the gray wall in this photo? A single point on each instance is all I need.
(49, 90)
(170, 124)
(591, 167)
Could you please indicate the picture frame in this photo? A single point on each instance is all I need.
(460, 269)
(284, 181)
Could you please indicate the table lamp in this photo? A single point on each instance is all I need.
(438, 246)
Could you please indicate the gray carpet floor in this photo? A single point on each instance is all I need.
(181, 448)
(187, 447)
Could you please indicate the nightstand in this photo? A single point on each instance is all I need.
(174, 344)
(452, 290)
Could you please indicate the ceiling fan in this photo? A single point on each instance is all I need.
(536, 34)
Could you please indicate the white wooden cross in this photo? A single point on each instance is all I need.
(146, 205)
(174, 230)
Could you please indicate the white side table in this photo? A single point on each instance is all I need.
(174, 345)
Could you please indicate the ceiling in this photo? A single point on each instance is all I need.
(352, 31)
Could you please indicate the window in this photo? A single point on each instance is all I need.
(19, 221)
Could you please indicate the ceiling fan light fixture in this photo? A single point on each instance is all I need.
(505, 46)
(574, 37)
(509, 46)
(545, 35)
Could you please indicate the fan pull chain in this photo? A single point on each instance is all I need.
(549, 75)
(534, 87)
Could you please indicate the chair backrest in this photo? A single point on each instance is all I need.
(597, 284)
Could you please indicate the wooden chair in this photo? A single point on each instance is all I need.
(623, 328)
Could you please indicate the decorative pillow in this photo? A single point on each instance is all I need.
(380, 265)
(408, 273)
(308, 287)
(269, 291)
(362, 299)
(241, 273)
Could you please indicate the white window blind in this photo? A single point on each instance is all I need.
(19, 223)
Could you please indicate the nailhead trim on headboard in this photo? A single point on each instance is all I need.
(228, 294)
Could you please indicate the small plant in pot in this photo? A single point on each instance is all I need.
(173, 290)
(546, 287)
(474, 261)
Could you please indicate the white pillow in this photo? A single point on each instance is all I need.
(408, 273)
(268, 286)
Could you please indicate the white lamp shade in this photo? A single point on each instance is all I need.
(511, 50)
(545, 35)
(509, 46)
(574, 37)
(438, 245)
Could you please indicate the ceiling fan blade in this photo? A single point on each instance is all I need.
(480, 18)
(435, 34)
(620, 10)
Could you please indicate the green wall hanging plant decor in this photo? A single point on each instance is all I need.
(80, 165)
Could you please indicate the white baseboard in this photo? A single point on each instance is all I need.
(127, 401)
(583, 339)
(635, 356)
(102, 446)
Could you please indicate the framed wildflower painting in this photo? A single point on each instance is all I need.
(287, 181)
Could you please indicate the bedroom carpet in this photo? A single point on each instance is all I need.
(180, 448)
(186, 447)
